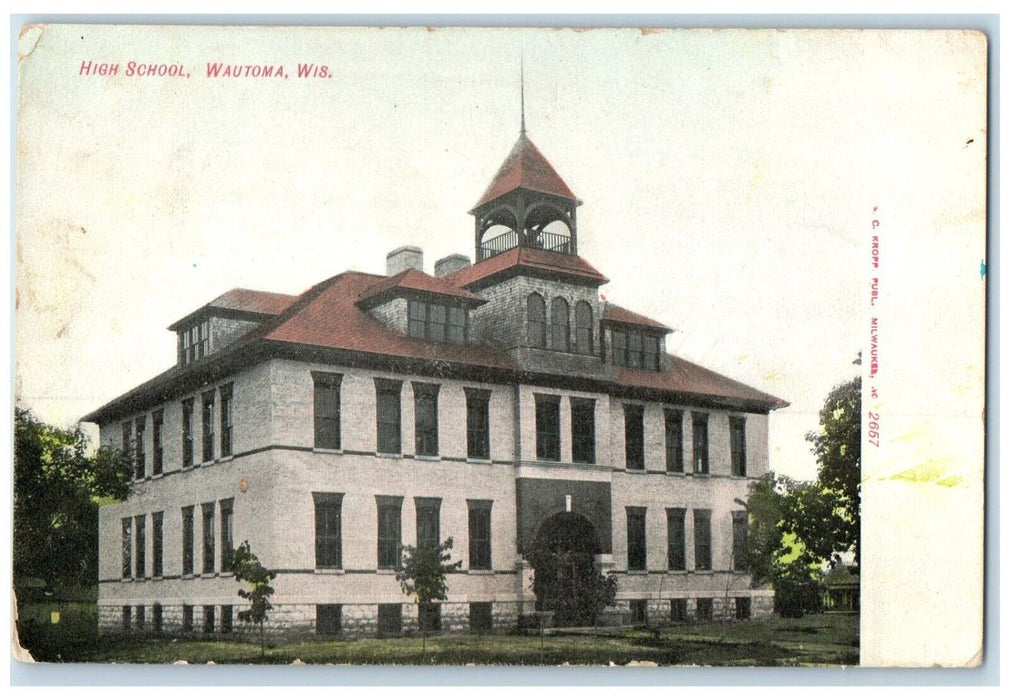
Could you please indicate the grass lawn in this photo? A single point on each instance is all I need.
(812, 640)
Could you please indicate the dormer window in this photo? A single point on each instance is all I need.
(436, 321)
(634, 349)
(195, 342)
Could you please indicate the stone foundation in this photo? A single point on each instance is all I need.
(298, 621)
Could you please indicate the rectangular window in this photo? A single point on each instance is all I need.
(226, 420)
(156, 618)
(140, 456)
(208, 538)
(390, 542)
(328, 619)
(328, 530)
(674, 441)
(157, 543)
(639, 612)
(436, 322)
(187, 618)
(127, 618)
(480, 617)
(678, 610)
(127, 439)
(141, 617)
(703, 609)
(157, 441)
(739, 540)
(634, 437)
(227, 534)
(479, 534)
(188, 535)
(699, 425)
(619, 340)
(127, 547)
(326, 404)
(584, 430)
(743, 608)
(140, 538)
(226, 619)
(187, 433)
(650, 352)
(417, 318)
(457, 324)
(387, 407)
(636, 538)
(548, 418)
(703, 540)
(428, 527)
(425, 419)
(478, 441)
(208, 619)
(738, 446)
(390, 619)
(634, 350)
(675, 549)
(429, 616)
(208, 426)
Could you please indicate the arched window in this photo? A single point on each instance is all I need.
(584, 328)
(559, 324)
(536, 320)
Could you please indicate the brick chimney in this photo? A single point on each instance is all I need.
(450, 263)
(404, 258)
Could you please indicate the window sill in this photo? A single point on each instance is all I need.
(677, 474)
(328, 450)
(157, 476)
(635, 470)
(209, 574)
(701, 475)
(480, 572)
(227, 458)
(389, 455)
(206, 463)
(637, 572)
(329, 572)
(478, 460)
(188, 576)
(702, 571)
(428, 458)
(388, 572)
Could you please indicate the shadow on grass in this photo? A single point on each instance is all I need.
(818, 640)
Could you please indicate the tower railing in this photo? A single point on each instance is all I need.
(543, 240)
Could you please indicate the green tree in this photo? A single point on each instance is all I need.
(827, 517)
(58, 486)
(775, 554)
(422, 577)
(247, 568)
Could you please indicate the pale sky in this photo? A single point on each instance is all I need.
(728, 180)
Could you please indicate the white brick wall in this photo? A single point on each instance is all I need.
(275, 470)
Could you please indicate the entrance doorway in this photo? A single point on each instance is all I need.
(565, 579)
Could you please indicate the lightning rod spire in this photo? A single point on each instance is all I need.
(522, 98)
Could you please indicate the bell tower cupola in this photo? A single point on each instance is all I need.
(527, 205)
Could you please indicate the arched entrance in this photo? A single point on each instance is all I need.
(565, 576)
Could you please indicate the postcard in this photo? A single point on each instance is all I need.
(500, 346)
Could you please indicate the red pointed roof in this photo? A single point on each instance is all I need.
(328, 316)
(554, 264)
(525, 167)
(619, 314)
(688, 378)
(244, 301)
(417, 281)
